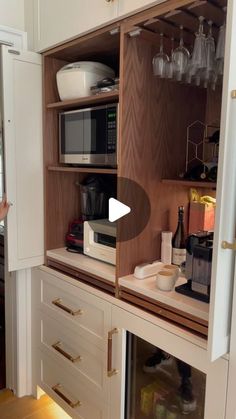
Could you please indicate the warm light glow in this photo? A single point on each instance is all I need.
(57, 411)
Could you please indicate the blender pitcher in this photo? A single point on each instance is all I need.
(94, 198)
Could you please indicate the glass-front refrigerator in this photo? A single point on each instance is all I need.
(160, 386)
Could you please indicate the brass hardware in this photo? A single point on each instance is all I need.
(57, 390)
(58, 303)
(56, 346)
(233, 94)
(227, 245)
(110, 370)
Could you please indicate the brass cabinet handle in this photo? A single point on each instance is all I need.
(57, 389)
(57, 347)
(110, 370)
(227, 245)
(58, 303)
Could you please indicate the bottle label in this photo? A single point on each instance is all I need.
(178, 256)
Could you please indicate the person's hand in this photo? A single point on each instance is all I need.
(4, 207)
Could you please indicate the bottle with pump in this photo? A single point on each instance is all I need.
(178, 241)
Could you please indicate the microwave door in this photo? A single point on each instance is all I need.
(71, 137)
(95, 136)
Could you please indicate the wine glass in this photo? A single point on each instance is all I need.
(199, 56)
(220, 52)
(160, 61)
(170, 65)
(180, 58)
(209, 72)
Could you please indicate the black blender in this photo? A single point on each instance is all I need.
(94, 195)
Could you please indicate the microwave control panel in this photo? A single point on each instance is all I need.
(111, 130)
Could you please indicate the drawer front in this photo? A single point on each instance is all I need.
(68, 348)
(76, 398)
(90, 314)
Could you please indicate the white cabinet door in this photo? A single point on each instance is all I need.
(22, 126)
(58, 20)
(130, 6)
(225, 225)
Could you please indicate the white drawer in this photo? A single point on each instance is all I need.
(72, 351)
(90, 314)
(76, 398)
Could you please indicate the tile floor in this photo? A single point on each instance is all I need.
(28, 408)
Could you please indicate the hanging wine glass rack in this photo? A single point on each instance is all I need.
(188, 17)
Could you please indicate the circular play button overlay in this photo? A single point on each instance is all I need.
(131, 210)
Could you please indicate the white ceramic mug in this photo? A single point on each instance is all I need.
(166, 279)
(173, 268)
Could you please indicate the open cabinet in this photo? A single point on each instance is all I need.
(153, 118)
(155, 115)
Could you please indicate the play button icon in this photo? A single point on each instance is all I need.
(117, 210)
(131, 210)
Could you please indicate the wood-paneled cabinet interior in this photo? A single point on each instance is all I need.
(153, 117)
(62, 182)
(56, 21)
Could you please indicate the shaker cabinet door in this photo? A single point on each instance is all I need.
(23, 155)
(135, 5)
(56, 21)
(225, 225)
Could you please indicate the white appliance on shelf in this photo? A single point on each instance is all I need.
(75, 80)
(100, 240)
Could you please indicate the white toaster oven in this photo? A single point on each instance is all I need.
(100, 240)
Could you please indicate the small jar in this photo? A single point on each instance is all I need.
(166, 247)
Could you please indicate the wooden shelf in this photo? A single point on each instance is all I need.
(99, 170)
(84, 101)
(190, 183)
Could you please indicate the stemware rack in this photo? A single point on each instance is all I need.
(187, 16)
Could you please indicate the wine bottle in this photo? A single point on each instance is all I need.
(178, 241)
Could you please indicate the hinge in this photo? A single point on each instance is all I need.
(13, 51)
(135, 32)
(115, 31)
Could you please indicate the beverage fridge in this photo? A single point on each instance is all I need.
(159, 385)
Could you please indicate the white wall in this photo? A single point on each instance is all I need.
(12, 13)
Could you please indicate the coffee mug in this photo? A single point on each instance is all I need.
(173, 268)
(166, 279)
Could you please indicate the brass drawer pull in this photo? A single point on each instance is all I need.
(57, 347)
(110, 371)
(58, 303)
(57, 390)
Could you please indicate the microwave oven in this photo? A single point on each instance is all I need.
(100, 240)
(89, 136)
